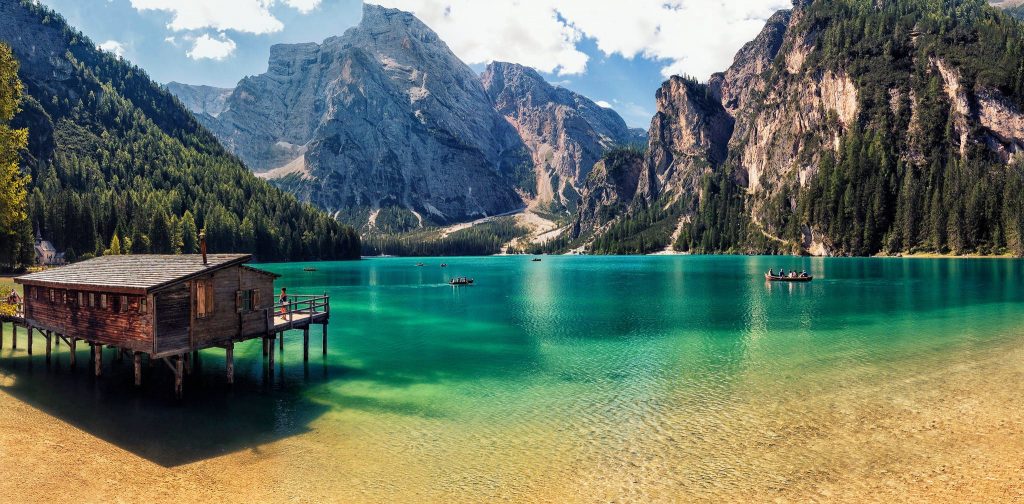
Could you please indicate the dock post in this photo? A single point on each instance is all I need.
(324, 327)
(305, 343)
(230, 357)
(271, 354)
(188, 363)
(281, 342)
(30, 340)
(266, 339)
(2, 334)
(14, 337)
(49, 337)
(137, 361)
(97, 358)
(177, 377)
(74, 343)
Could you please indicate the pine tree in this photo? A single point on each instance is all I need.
(189, 234)
(15, 242)
(115, 246)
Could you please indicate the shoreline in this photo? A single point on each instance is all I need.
(946, 435)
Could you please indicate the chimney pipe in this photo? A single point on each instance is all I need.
(202, 245)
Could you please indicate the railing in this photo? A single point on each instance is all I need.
(302, 305)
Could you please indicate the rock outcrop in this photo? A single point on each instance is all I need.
(762, 130)
(566, 132)
(201, 100)
(384, 115)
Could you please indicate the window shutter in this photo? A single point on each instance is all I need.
(255, 299)
(238, 301)
(209, 297)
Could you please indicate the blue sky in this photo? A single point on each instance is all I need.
(615, 52)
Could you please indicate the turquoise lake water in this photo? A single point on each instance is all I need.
(542, 372)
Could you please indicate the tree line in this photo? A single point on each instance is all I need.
(113, 159)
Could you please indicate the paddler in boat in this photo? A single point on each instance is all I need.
(770, 272)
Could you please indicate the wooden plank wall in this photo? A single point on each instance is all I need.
(130, 329)
(172, 319)
(254, 323)
(226, 323)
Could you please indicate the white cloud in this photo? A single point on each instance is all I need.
(526, 32)
(603, 104)
(207, 47)
(113, 46)
(249, 16)
(303, 6)
(696, 37)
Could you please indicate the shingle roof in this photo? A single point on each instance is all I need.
(131, 273)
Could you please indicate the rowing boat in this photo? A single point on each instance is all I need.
(776, 278)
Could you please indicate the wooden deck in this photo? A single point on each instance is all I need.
(299, 313)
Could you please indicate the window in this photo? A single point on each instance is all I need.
(142, 306)
(81, 298)
(124, 304)
(103, 301)
(63, 297)
(51, 294)
(247, 300)
(92, 300)
(204, 298)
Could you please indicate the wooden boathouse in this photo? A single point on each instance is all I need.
(165, 307)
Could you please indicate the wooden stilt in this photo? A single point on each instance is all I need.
(324, 327)
(2, 334)
(281, 341)
(14, 338)
(74, 343)
(97, 358)
(305, 343)
(188, 363)
(178, 376)
(137, 361)
(230, 357)
(29, 340)
(271, 354)
(49, 337)
(266, 340)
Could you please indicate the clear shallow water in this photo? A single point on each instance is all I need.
(622, 376)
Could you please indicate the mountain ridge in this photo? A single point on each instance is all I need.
(114, 155)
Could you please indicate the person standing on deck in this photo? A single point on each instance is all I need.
(283, 299)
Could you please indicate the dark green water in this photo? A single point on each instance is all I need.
(570, 359)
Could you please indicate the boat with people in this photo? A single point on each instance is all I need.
(461, 281)
(419, 265)
(536, 259)
(792, 276)
(309, 269)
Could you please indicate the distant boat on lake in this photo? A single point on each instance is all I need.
(309, 269)
(795, 278)
(460, 281)
(536, 259)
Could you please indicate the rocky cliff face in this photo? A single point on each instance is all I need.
(565, 132)
(201, 100)
(610, 191)
(794, 101)
(384, 115)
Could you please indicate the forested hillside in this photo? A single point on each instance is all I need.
(115, 158)
(861, 127)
